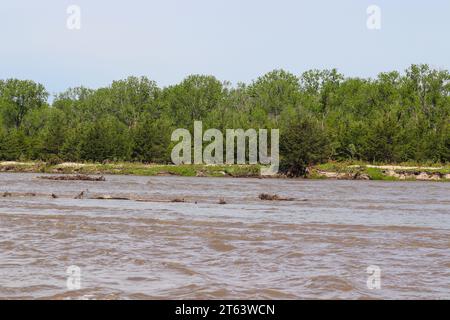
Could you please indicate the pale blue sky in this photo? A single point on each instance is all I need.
(235, 40)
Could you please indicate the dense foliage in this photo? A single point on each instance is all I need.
(321, 115)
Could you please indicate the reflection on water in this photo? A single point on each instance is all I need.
(318, 246)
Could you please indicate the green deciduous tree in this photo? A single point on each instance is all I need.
(394, 117)
(17, 97)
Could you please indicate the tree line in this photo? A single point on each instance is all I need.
(322, 115)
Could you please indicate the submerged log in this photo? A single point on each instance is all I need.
(78, 177)
(29, 194)
(108, 197)
(80, 195)
(273, 197)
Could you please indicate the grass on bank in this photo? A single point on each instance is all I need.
(345, 169)
(129, 168)
(379, 171)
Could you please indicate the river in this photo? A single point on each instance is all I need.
(317, 246)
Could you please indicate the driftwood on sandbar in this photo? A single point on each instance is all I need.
(78, 177)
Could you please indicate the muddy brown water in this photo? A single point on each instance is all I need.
(318, 246)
